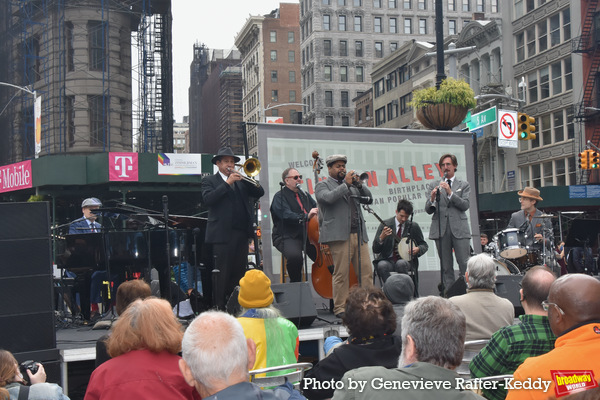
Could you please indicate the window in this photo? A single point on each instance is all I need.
(544, 83)
(494, 6)
(326, 22)
(404, 101)
(466, 6)
(274, 95)
(344, 99)
(566, 24)
(380, 116)
(360, 115)
(292, 96)
(568, 74)
(451, 5)
(328, 120)
(342, 22)
(422, 26)
(377, 27)
(328, 73)
(328, 98)
(392, 110)
(343, 74)
(379, 49)
(554, 30)
(358, 48)
(359, 74)
(358, 23)
(341, 2)
(291, 56)
(407, 4)
(292, 76)
(422, 5)
(291, 37)
(273, 36)
(520, 40)
(273, 55)
(556, 77)
(343, 48)
(391, 81)
(479, 6)
(273, 76)
(327, 47)
(345, 121)
(97, 51)
(393, 46)
(408, 26)
(532, 85)
(274, 112)
(379, 88)
(403, 74)
(393, 25)
(376, 3)
(98, 118)
(559, 126)
(530, 34)
(357, 3)
(542, 36)
(518, 8)
(452, 27)
(530, 5)
(326, 2)
(392, 4)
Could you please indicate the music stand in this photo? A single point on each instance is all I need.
(583, 233)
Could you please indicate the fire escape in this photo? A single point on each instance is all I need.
(588, 111)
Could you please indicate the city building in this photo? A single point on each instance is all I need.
(270, 47)
(181, 134)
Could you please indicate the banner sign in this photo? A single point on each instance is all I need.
(16, 176)
(122, 166)
(179, 164)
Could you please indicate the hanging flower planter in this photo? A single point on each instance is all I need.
(441, 117)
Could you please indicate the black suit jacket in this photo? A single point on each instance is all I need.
(287, 215)
(219, 197)
(385, 250)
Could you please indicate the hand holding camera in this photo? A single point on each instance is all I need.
(33, 372)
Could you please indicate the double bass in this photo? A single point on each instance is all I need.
(322, 268)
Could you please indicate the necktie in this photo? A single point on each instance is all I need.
(300, 202)
(449, 183)
(399, 233)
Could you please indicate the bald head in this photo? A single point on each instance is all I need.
(536, 286)
(578, 296)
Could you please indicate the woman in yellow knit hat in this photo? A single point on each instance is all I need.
(276, 338)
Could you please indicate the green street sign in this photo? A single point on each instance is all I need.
(483, 118)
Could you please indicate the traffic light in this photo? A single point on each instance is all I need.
(593, 159)
(530, 128)
(522, 124)
(584, 162)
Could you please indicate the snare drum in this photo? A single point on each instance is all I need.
(505, 267)
(529, 260)
(511, 243)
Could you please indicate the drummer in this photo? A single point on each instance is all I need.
(486, 245)
(529, 220)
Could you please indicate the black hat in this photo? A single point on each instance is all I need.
(225, 151)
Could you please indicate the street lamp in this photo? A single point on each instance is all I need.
(36, 113)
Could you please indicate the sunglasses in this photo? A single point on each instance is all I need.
(295, 177)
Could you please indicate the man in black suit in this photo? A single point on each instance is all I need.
(291, 210)
(387, 238)
(230, 221)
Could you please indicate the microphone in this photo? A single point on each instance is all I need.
(165, 201)
(298, 186)
(363, 198)
(281, 184)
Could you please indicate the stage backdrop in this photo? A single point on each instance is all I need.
(400, 164)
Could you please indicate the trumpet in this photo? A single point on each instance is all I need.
(251, 168)
(358, 180)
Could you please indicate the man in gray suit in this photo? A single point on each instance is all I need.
(340, 221)
(450, 218)
(528, 220)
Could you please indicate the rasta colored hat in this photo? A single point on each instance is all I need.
(255, 290)
(335, 157)
(531, 193)
(225, 151)
(90, 202)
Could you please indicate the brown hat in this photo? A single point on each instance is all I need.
(225, 151)
(334, 158)
(531, 193)
(255, 290)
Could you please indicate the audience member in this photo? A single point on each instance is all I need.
(433, 333)
(127, 293)
(144, 346)
(399, 289)
(370, 320)
(216, 359)
(573, 307)
(276, 338)
(484, 310)
(13, 386)
(511, 345)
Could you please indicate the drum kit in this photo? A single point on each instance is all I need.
(514, 256)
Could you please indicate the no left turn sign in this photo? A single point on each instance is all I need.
(507, 129)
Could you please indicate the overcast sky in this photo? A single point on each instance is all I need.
(214, 23)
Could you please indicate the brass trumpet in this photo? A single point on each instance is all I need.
(358, 180)
(251, 168)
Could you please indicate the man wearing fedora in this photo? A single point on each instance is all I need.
(528, 220)
(340, 221)
(229, 201)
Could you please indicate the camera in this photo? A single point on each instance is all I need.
(28, 365)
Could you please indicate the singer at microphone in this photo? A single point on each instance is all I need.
(449, 225)
(291, 209)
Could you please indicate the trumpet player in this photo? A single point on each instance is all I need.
(229, 197)
(398, 244)
(342, 227)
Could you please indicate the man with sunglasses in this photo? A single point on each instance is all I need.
(290, 210)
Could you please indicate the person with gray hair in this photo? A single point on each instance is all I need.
(217, 357)
(433, 333)
(485, 311)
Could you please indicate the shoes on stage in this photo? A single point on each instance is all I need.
(95, 316)
(340, 315)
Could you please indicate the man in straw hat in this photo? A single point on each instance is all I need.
(230, 220)
(528, 220)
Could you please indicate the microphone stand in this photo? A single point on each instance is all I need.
(441, 239)
(167, 272)
(282, 222)
(304, 228)
(412, 258)
(356, 202)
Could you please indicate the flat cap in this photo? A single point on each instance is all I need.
(335, 157)
(90, 202)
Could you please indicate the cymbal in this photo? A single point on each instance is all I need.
(546, 216)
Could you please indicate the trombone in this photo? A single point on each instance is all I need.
(251, 168)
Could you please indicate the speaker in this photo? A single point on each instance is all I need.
(508, 286)
(458, 287)
(295, 302)
(26, 283)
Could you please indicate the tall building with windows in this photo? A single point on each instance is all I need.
(342, 39)
(270, 50)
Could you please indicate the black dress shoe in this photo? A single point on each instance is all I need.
(340, 315)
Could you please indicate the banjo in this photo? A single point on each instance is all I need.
(403, 245)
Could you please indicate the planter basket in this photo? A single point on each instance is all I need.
(441, 117)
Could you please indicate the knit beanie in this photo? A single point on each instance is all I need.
(255, 290)
(399, 288)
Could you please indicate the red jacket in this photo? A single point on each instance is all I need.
(140, 374)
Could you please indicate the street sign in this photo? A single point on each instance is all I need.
(482, 119)
(507, 129)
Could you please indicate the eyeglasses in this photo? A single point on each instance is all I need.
(295, 177)
(546, 305)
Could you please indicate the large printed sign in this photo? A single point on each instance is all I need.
(179, 164)
(122, 166)
(37, 110)
(16, 176)
(399, 165)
